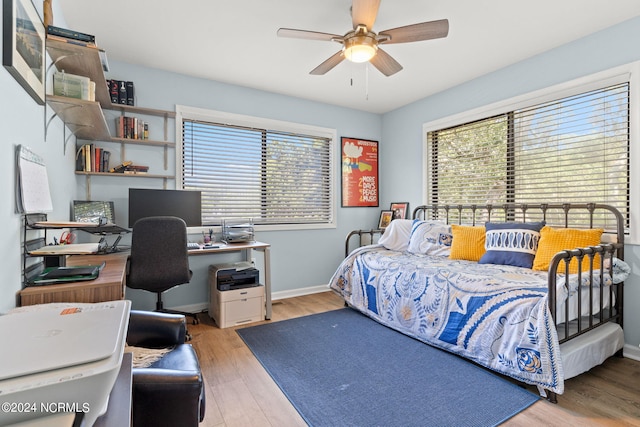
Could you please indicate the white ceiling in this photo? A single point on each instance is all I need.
(235, 41)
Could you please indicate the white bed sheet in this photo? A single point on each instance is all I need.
(591, 349)
(573, 304)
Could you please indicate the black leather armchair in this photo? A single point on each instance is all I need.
(170, 392)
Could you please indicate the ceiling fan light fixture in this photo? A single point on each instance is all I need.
(360, 48)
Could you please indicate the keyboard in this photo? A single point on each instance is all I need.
(192, 245)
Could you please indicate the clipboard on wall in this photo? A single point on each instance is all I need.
(32, 182)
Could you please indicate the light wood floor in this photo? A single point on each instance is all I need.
(241, 393)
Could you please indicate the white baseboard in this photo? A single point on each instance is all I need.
(192, 308)
(631, 351)
(201, 307)
(299, 292)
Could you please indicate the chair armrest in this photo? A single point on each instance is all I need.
(156, 330)
(166, 397)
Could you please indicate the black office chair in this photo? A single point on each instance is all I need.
(159, 258)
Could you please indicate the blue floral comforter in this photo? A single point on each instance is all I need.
(494, 315)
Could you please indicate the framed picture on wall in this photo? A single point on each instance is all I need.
(23, 48)
(400, 210)
(385, 219)
(359, 172)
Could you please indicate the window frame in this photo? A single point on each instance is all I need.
(626, 73)
(194, 113)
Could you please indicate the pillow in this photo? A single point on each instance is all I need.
(511, 243)
(396, 235)
(554, 240)
(467, 243)
(430, 238)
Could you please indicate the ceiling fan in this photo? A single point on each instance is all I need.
(362, 44)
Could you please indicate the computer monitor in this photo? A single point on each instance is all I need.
(185, 204)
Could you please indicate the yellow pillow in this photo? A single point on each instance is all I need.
(554, 240)
(467, 242)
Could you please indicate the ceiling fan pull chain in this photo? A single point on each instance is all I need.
(366, 81)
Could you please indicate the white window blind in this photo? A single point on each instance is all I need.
(271, 176)
(574, 149)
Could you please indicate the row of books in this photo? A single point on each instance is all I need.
(121, 92)
(131, 128)
(90, 158)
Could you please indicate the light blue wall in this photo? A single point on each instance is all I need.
(299, 259)
(402, 155)
(22, 121)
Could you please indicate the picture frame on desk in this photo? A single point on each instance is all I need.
(23, 46)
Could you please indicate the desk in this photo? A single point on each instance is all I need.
(246, 249)
(109, 285)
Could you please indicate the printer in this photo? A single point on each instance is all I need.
(60, 358)
(237, 275)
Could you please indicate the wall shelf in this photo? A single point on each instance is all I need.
(87, 120)
(84, 118)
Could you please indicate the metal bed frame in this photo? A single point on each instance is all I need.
(564, 215)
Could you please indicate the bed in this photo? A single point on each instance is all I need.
(502, 286)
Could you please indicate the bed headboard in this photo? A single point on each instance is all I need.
(563, 215)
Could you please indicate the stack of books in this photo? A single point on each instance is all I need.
(127, 167)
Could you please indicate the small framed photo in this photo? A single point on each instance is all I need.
(385, 219)
(400, 210)
(23, 53)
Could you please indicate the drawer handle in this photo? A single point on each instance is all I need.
(243, 293)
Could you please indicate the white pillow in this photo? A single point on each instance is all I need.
(396, 236)
(430, 238)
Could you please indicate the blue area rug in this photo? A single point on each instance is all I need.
(341, 368)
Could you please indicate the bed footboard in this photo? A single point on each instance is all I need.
(595, 314)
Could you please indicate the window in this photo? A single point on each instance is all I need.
(573, 149)
(274, 172)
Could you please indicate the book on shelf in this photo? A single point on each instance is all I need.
(121, 167)
(70, 34)
(73, 86)
(130, 92)
(136, 169)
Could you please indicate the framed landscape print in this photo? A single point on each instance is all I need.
(359, 172)
(23, 48)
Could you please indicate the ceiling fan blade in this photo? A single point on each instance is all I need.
(327, 65)
(308, 35)
(364, 12)
(385, 63)
(416, 32)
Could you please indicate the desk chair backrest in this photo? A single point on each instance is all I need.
(159, 259)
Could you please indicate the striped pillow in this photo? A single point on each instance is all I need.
(511, 243)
